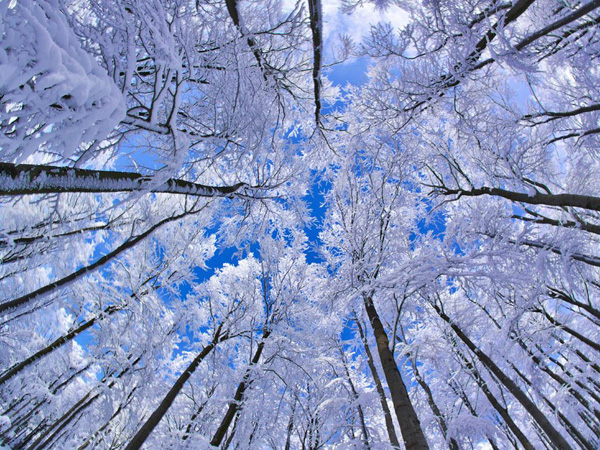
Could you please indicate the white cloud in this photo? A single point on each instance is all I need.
(357, 24)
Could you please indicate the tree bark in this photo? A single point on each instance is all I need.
(24, 179)
(188, 429)
(143, 433)
(591, 228)
(235, 406)
(569, 330)
(14, 370)
(389, 422)
(558, 294)
(58, 425)
(566, 423)
(465, 399)
(578, 13)
(560, 380)
(234, 14)
(587, 259)
(355, 398)
(121, 407)
(562, 200)
(410, 426)
(290, 429)
(454, 78)
(452, 444)
(555, 437)
(316, 23)
(514, 428)
(129, 243)
(25, 241)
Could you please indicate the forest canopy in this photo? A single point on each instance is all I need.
(213, 236)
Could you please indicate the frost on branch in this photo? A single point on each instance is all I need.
(54, 96)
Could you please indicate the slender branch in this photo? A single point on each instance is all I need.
(591, 228)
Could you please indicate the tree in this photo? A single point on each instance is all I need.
(206, 242)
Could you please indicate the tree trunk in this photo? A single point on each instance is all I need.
(561, 200)
(235, 406)
(28, 240)
(555, 437)
(560, 380)
(316, 26)
(58, 425)
(558, 294)
(355, 398)
(143, 433)
(23, 418)
(590, 260)
(121, 407)
(544, 368)
(463, 396)
(188, 429)
(412, 434)
(129, 243)
(565, 422)
(514, 428)
(389, 422)
(571, 331)
(14, 370)
(452, 444)
(232, 9)
(290, 429)
(23, 179)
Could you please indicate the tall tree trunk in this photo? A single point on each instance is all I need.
(28, 240)
(143, 433)
(316, 27)
(14, 370)
(514, 428)
(239, 395)
(569, 330)
(555, 437)
(543, 366)
(355, 398)
(232, 9)
(562, 200)
(565, 422)
(560, 380)
(23, 179)
(188, 429)
(290, 429)
(389, 422)
(121, 407)
(43, 441)
(17, 420)
(452, 444)
(412, 434)
(128, 244)
(465, 399)
(556, 293)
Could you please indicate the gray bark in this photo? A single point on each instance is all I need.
(553, 434)
(154, 419)
(23, 179)
(410, 426)
(389, 423)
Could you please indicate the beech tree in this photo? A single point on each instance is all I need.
(207, 241)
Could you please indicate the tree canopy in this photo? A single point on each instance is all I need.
(206, 241)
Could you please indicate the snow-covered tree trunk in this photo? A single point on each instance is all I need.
(410, 426)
